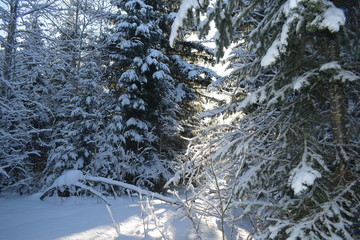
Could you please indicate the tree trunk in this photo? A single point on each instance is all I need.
(10, 41)
(337, 97)
(338, 113)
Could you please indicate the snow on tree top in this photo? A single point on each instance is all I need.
(333, 18)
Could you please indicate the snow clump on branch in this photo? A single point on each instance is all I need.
(68, 178)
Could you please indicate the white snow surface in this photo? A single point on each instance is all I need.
(77, 218)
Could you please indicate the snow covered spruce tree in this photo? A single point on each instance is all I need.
(148, 92)
(291, 163)
(145, 92)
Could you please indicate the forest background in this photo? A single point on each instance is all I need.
(111, 89)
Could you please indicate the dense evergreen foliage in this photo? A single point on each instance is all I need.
(94, 86)
(291, 163)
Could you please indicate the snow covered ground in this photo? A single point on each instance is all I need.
(77, 218)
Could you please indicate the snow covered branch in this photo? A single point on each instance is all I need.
(180, 17)
(76, 178)
(131, 187)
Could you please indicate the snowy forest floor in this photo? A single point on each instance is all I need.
(77, 218)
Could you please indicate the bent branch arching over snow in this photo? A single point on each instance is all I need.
(77, 178)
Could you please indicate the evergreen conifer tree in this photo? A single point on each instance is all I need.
(143, 89)
(151, 83)
(291, 163)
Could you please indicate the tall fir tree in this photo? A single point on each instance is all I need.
(143, 88)
(151, 83)
(291, 163)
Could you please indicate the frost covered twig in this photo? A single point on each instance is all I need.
(114, 224)
(148, 208)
